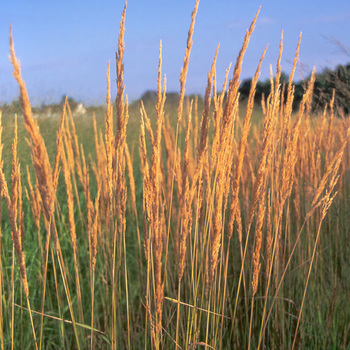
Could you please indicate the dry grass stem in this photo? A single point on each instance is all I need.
(240, 193)
(184, 69)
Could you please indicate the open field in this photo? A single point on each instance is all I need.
(197, 224)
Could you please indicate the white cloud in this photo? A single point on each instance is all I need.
(341, 17)
(261, 21)
(265, 21)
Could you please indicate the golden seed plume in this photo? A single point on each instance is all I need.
(184, 69)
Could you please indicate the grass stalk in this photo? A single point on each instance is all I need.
(278, 170)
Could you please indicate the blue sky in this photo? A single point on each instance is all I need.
(64, 46)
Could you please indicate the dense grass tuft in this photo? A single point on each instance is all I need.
(192, 224)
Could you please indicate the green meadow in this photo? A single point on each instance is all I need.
(177, 222)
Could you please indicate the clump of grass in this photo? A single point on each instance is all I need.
(242, 224)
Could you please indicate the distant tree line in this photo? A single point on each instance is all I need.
(337, 79)
(172, 98)
(45, 108)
